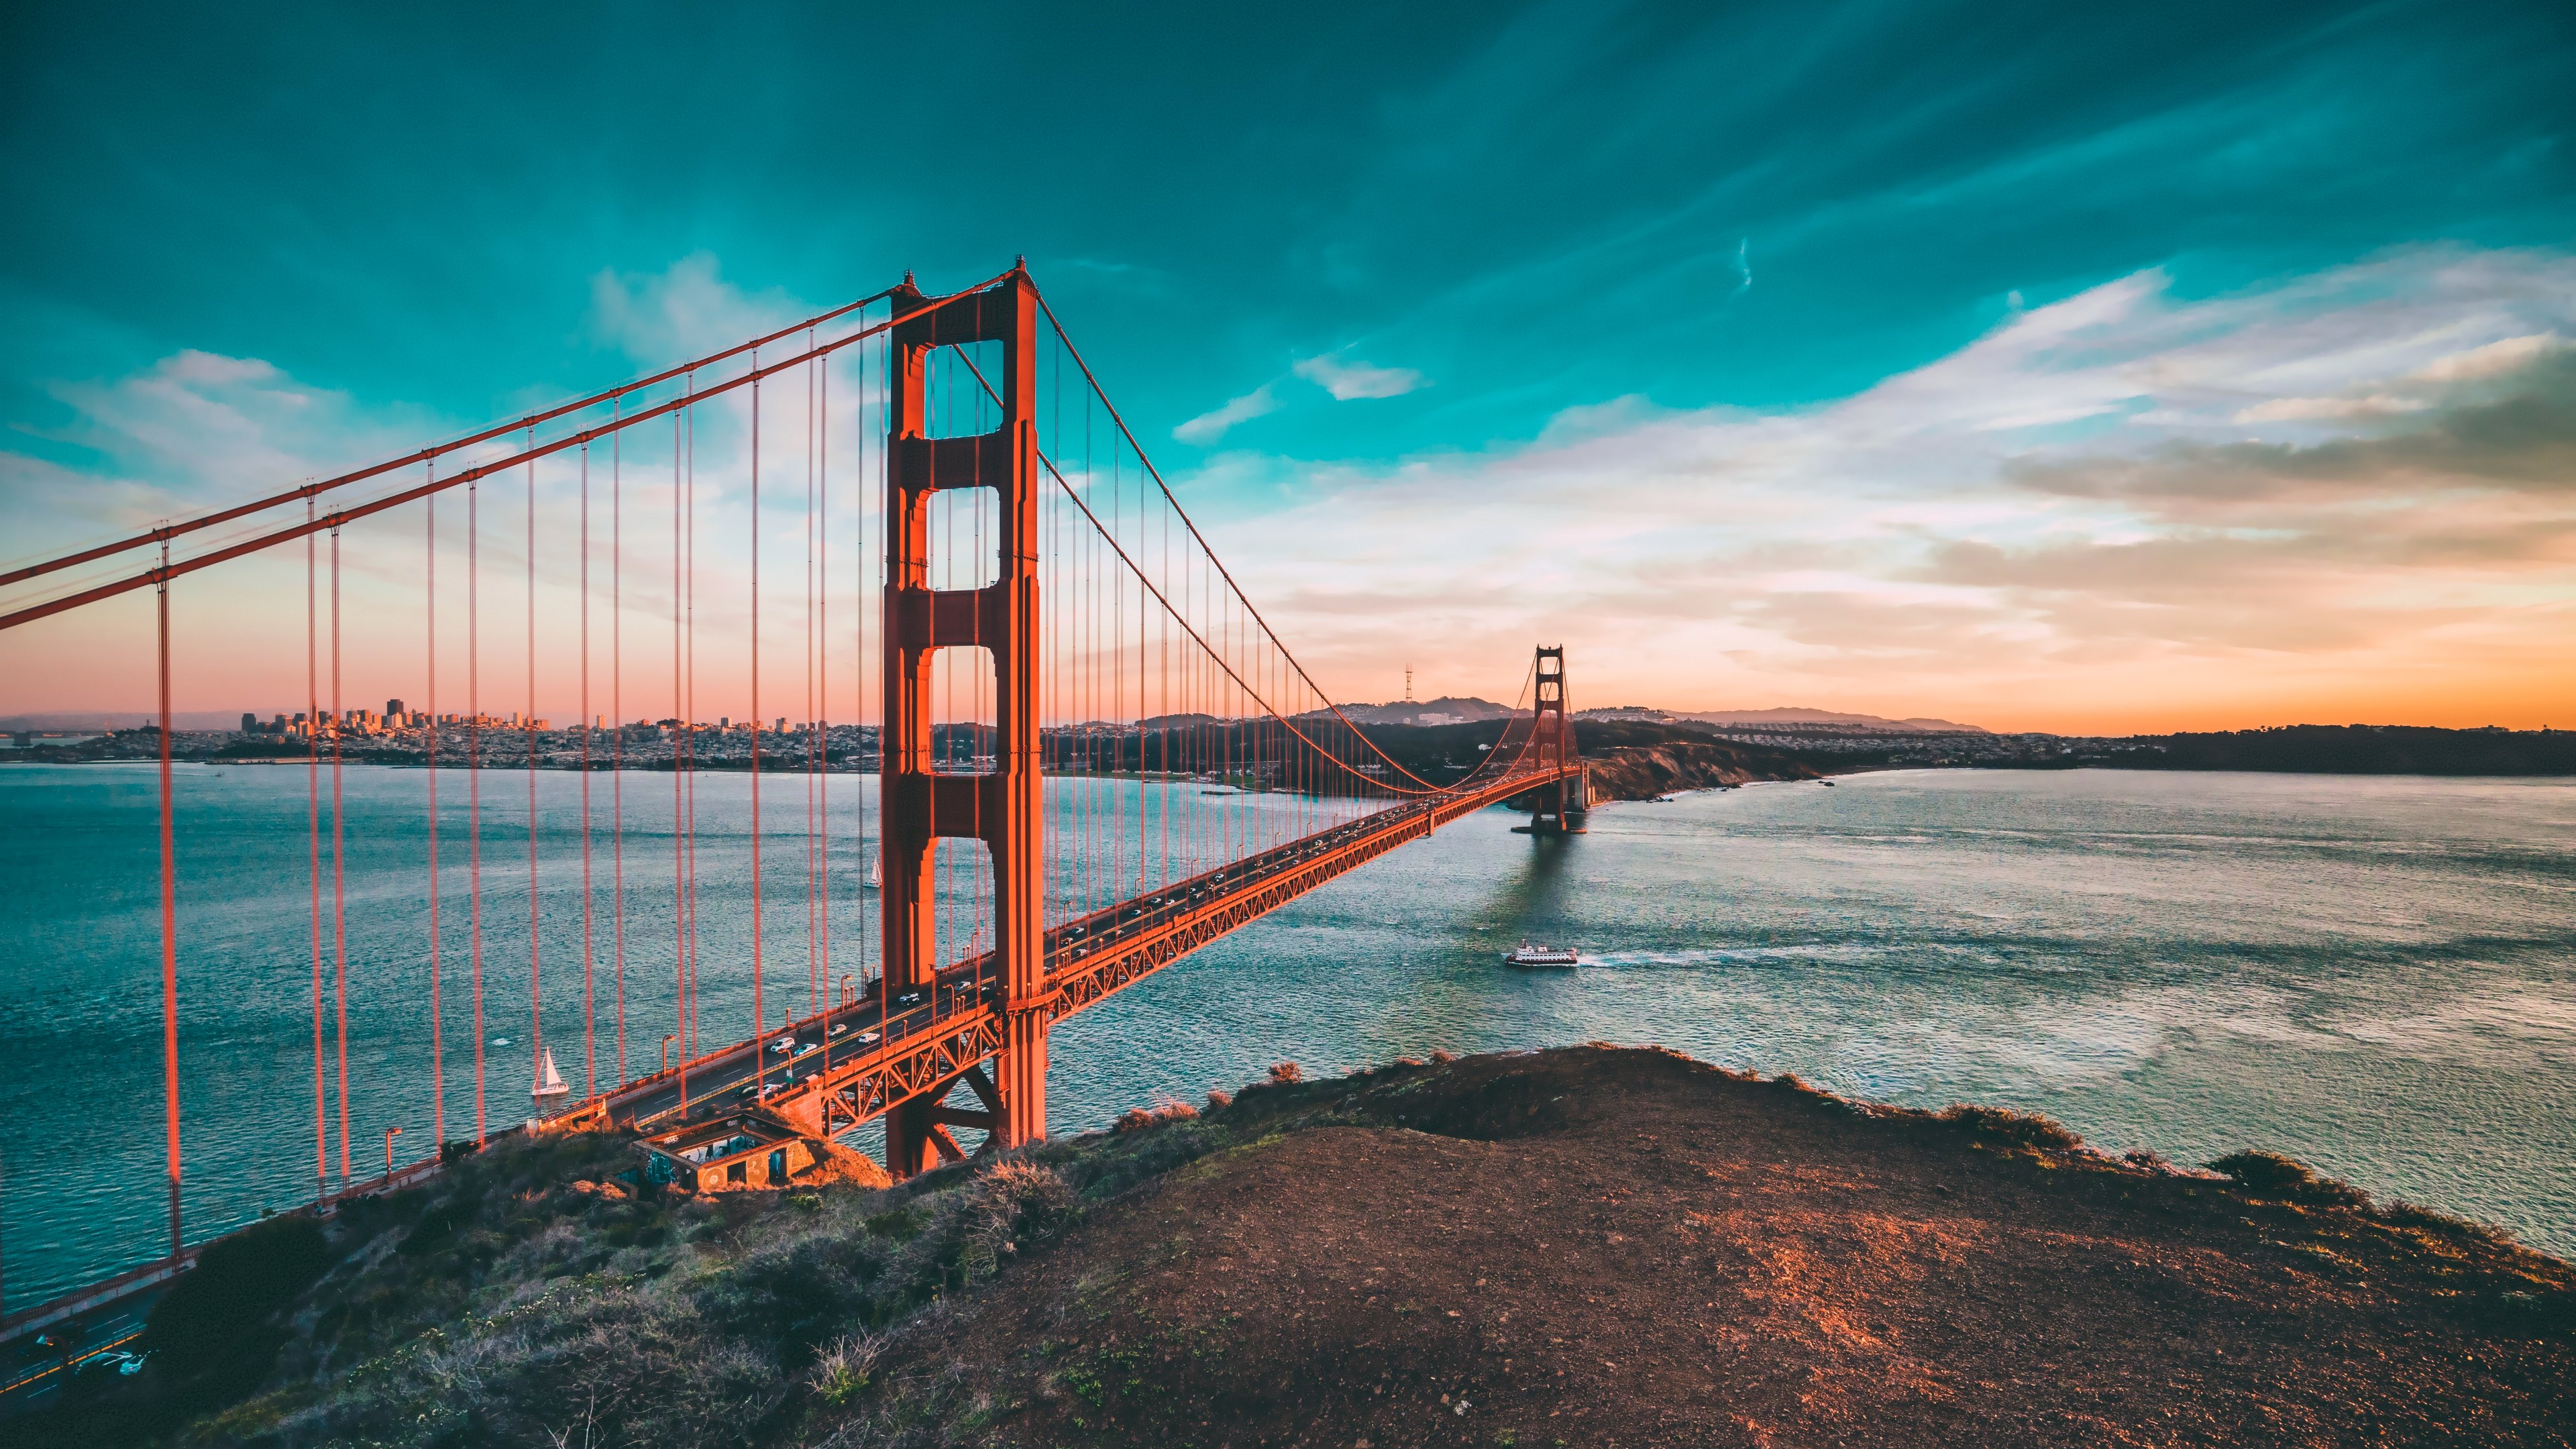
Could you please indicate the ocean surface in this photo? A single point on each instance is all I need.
(2374, 975)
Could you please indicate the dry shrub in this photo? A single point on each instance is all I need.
(1442, 1059)
(1219, 1099)
(644, 1364)
(1287, 1074)
(2028, 1129)
(834, 1163)
(1138, 1118)
(2268, 1174)
(1016, 1200)
(2416, 1215)
(841, 1371)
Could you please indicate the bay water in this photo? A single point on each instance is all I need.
(2375, 975)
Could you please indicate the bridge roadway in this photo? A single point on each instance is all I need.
(849, 1063)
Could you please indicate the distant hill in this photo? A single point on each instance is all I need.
(1787, 716)
(1449, 709)
(2344, 750)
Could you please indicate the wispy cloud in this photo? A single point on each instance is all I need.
(2101, 502)
(683, 310)
(2345, 494)
(192, 429)
(1348, 381)
(1207, 427)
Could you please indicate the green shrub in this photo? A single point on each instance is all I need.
(211, 1334)
(901, 1224)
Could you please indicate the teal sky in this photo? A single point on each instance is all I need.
(1325, 253)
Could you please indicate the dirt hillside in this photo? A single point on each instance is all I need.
(1597, 1247)
(1582, 1247)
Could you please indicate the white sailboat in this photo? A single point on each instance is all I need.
(550, 1083)
(876, 872)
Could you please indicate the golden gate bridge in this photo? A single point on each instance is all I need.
(1040, 632)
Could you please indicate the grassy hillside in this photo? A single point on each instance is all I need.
(1587, 1246)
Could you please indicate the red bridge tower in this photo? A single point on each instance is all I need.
(1552, 744)
(1001, 808)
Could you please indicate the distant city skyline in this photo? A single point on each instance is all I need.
(2091, 372)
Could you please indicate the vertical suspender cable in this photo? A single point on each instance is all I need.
(313, 852)
(536, 1000)
(169, 925)
(813, 925)
(617, 712)
(759, 1023)
(429, 739)
(474, 774)
(339, 889)
(689, 827)
(679, 734)
(822, 673)
(589, 1035)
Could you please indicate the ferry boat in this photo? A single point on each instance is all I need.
(550, 1083)
(1526, 954)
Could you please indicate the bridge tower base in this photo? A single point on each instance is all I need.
(922, 804)
(1562, 808)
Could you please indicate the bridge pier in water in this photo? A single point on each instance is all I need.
(1553, 743)
(1003, 807)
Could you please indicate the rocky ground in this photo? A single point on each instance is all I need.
(1579, 1247)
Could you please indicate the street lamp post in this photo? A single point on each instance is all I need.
(390, 1134)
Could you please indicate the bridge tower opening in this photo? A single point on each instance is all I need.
(1561, 808)
(1000, 807)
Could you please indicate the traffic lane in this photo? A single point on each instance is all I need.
(731, 1080)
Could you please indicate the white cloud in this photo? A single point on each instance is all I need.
(195, 430)
(686, 310)
(2490, 360)
(2306, 409)
(1892, 551)
(192, 430)
(1348, 381)
(1207, 427)
(2124, 496)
